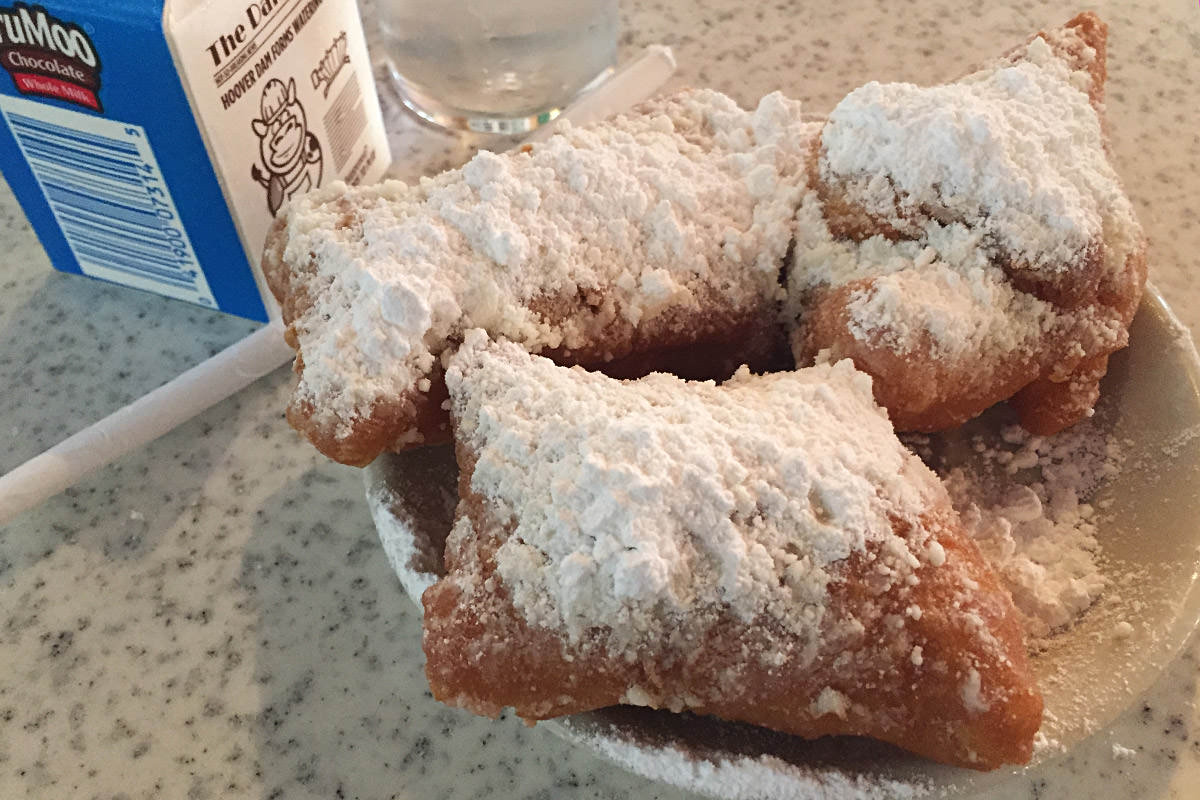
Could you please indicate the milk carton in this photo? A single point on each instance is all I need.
(151, 142)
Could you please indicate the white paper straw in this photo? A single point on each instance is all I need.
(144, 420)
(261, 352)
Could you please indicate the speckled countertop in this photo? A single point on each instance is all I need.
(212, 616)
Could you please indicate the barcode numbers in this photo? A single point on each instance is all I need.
(105, 189)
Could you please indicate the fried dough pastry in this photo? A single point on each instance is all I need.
(764, 551)
(969, 243)
(655, 241)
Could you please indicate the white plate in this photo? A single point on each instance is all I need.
(1150, 538)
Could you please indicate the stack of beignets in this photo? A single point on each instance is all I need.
(764, 551)
(963, 244)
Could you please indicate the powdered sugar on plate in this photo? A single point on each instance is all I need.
(753, 778)
(1027, 502)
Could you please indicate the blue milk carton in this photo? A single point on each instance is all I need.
(150, 143)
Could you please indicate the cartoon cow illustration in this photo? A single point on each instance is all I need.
(289, 151)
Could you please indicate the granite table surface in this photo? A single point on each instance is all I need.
(212, 615)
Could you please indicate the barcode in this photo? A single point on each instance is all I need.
(108, 195)
(345, 121)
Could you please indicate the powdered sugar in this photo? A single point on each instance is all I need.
(1104, 648)
(1025, 499)
(646, 503)
(972, 696)
(830, 701)
(692, 197)
(962, 312)
(1119, 752)
(1018, 149)
(1019, 509)
(753, 777)
(939, 295)
(693, 202)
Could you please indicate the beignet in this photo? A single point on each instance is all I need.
(763, 551)
(970, 242)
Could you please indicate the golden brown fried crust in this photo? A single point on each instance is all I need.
(413, 419)
(1053, 401)
(1046, 407)
(482, 655)
(921, 393)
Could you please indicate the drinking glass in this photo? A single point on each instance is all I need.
(496, 66)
